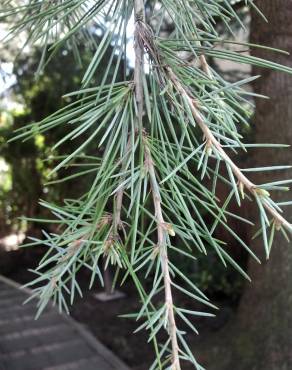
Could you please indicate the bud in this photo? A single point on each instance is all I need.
(169, 228)
(155, 252)
(208, 148)
(262, 192)
(278, 225)
(171, 232)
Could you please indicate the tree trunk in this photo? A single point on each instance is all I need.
(262, 332)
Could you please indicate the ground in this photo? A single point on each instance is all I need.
(116, 333)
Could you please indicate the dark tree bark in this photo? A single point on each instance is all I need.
(262, 332)
(259, 337)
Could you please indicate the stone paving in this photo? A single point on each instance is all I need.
(53, 342)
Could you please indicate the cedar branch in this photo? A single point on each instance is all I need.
(210, 138)
(161, 225)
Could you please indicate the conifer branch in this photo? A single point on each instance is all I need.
(151, 147)
(161, 224)
(162, 232)
(243, 181)
(211, 141)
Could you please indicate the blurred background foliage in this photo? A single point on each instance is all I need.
(27, 163)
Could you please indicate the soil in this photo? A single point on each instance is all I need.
(104, 321)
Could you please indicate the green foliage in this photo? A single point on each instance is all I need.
(156, 145)
(30, 161)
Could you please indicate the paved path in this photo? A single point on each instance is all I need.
(53, 342)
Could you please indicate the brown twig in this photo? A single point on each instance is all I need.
(205, 66)
(161, 225)
(162, 230)
(244, 182)
(117, 222)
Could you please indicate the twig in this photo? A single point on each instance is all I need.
(161, 225)
(117, 222)
(205, 66)
(210, 138)
(139, 59)
(118, 209)
(162, 231)
(243, 181)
